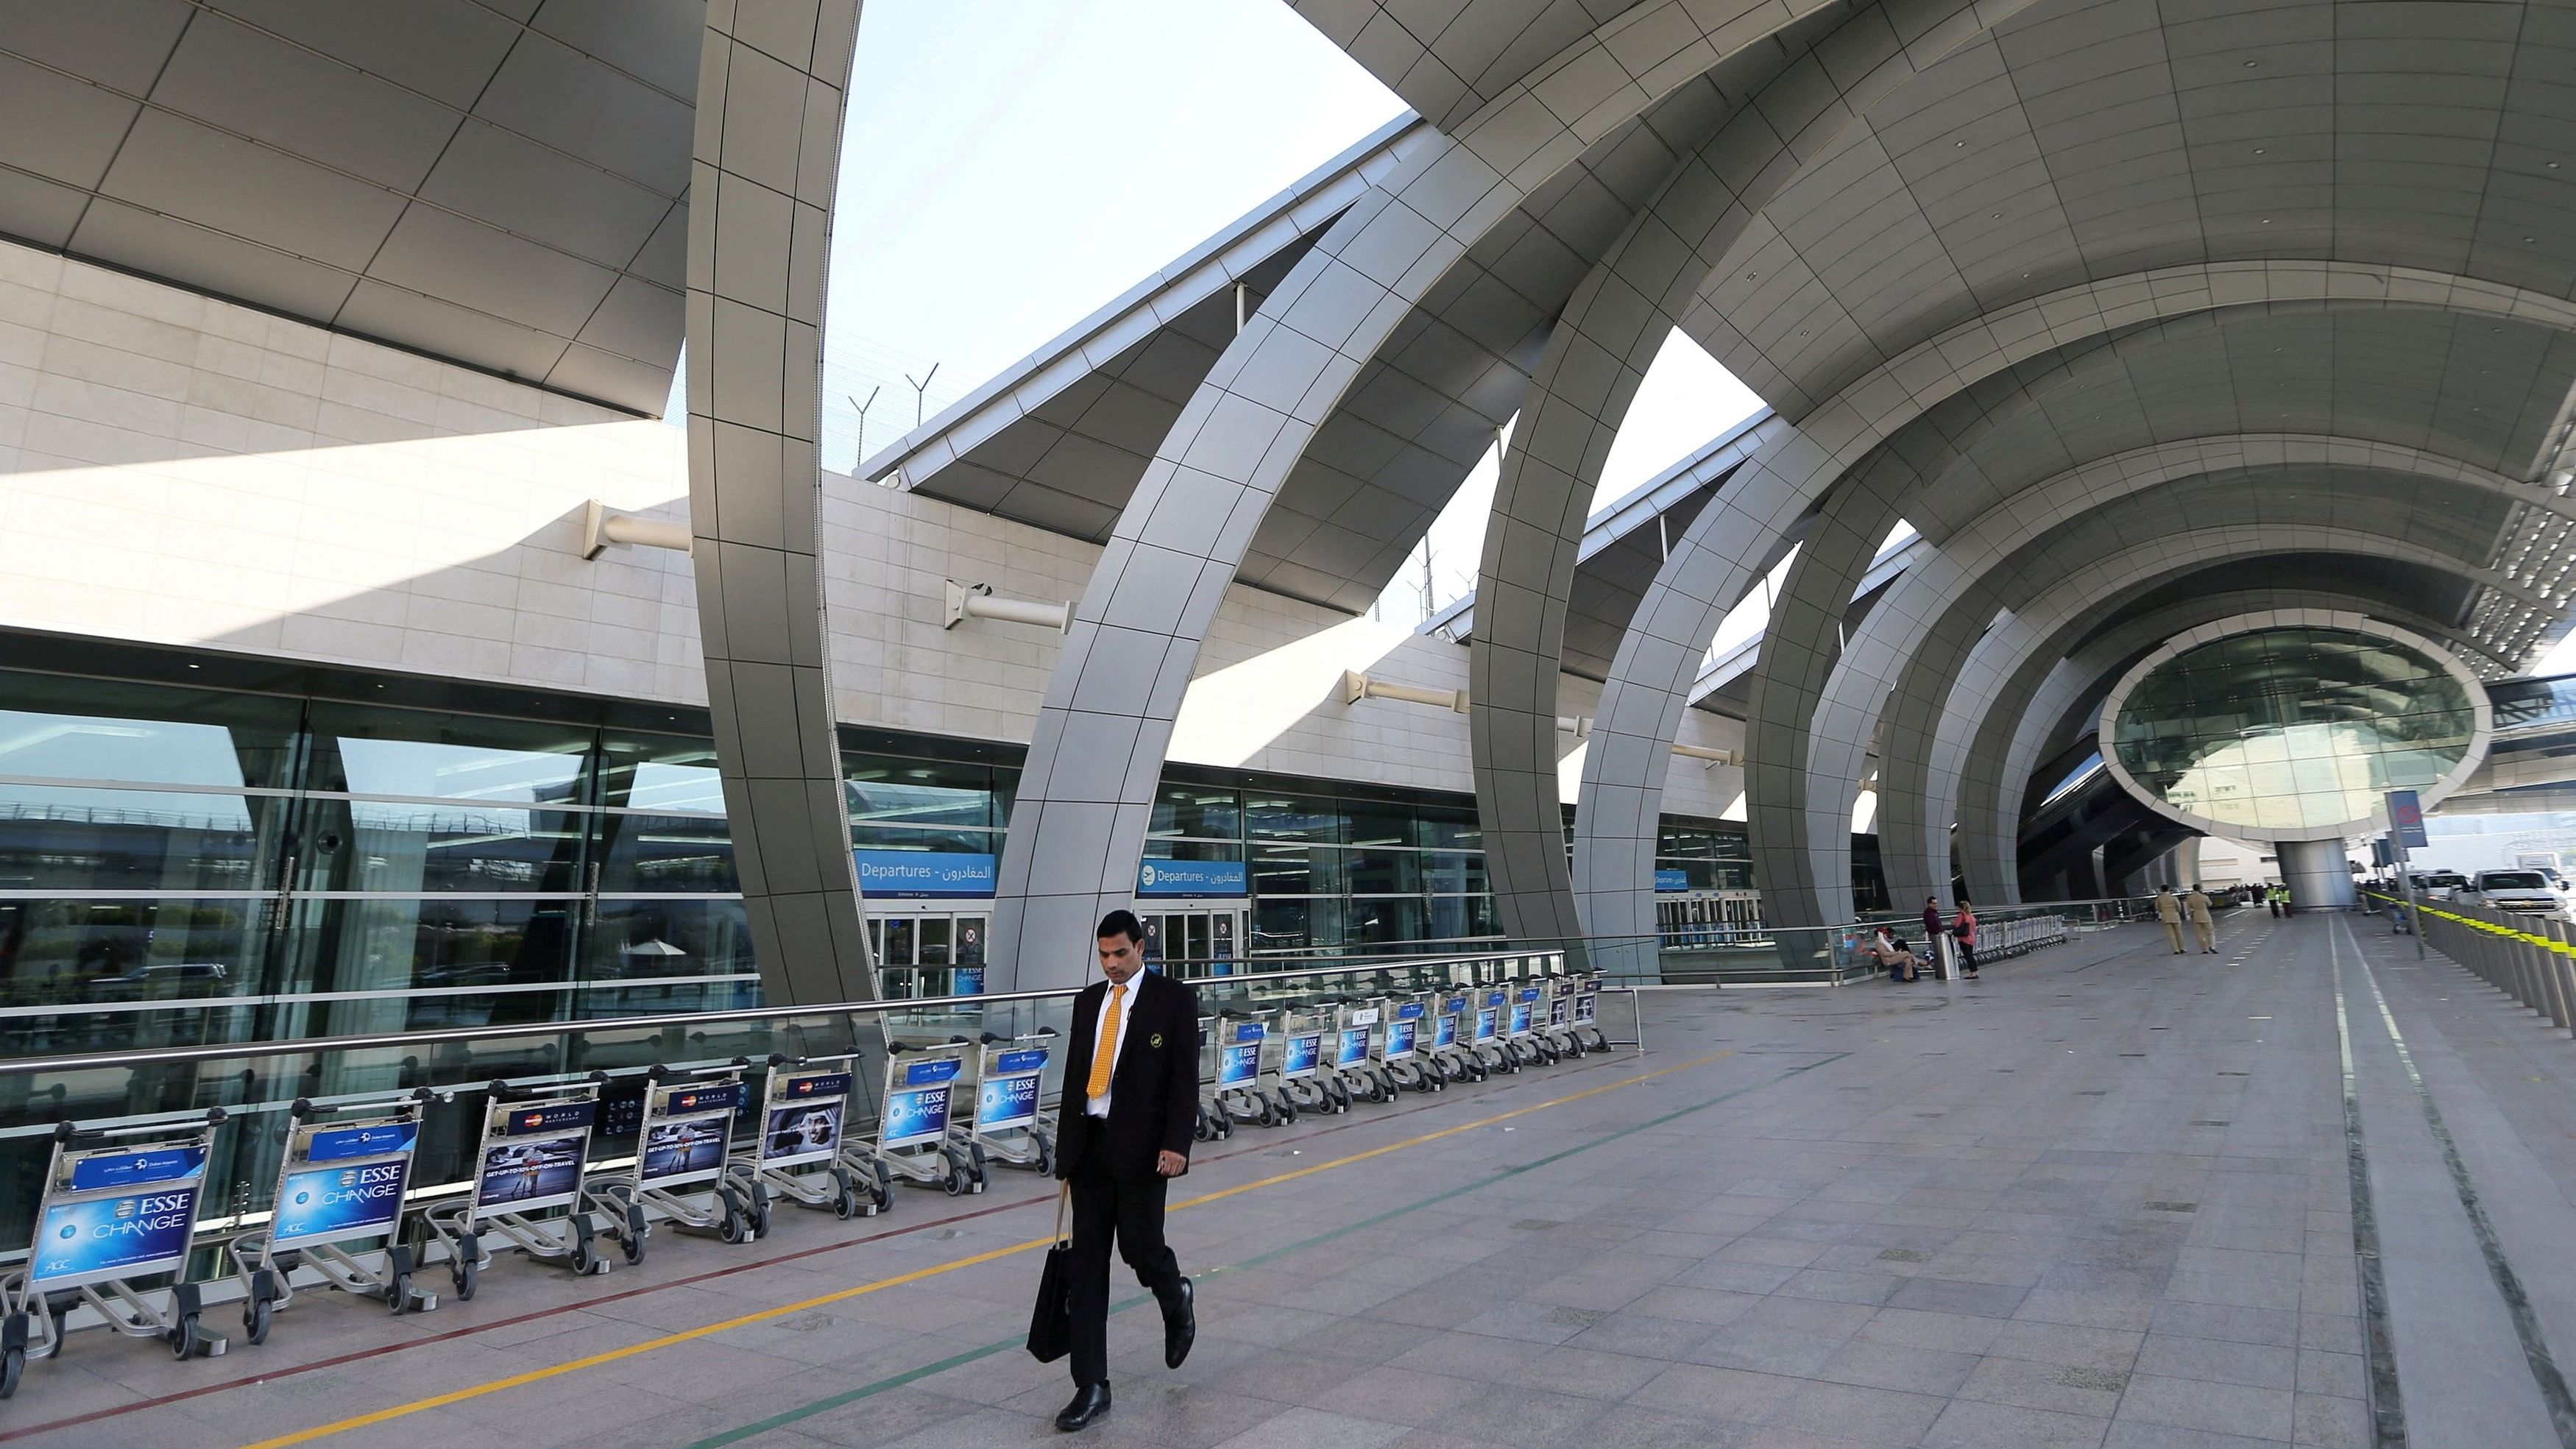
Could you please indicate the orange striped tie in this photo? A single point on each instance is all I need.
(1105, 1054)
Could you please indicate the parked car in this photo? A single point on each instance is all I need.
(2524, 891)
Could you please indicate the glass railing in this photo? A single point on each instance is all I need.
(256, 1083)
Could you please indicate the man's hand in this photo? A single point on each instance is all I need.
(1170, 1164)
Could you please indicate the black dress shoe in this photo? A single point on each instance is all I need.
(1180, 1327)
(1089, 1403)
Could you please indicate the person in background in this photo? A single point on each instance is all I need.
(2169, 914)
(1932, 932)
(2203, 926)
(1891, 952)
(1964, 931)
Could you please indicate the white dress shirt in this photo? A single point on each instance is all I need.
(1099, 1106)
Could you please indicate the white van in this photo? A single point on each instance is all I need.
(2527, 892)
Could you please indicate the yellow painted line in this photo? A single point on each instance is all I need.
(533, 1376)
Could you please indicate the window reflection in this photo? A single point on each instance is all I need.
(56, 838)
(2293, 729)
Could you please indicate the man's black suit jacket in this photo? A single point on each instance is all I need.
(1153, 1091)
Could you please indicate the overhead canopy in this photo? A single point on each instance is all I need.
(499, 184)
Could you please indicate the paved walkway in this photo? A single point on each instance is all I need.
(2102, 1197)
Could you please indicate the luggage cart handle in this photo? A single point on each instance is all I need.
(504, 1092)
(660, 1073)
(74, 1132)
(781, 1059)
(306, 1107)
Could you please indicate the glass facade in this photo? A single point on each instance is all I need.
(185, 864)
(1329, 867)
(1710, 855)
(2293, 728)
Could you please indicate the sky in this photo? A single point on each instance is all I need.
(1009, 168)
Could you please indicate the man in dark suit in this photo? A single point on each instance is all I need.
(1131, 1089)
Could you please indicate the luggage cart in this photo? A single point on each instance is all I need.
(1451, 1038)
(798, 1152)
(1303, 1084)
(1399, 1055)
(1007, 1126)
(1521, 1026)
(912, 1143)
(337, 1182)
(1355, 1042)
(118, 1203)
(1485, 1040)
(1587, 1011)
(1239, 1091)
(532, 1157)
(1213, 1122)
(1556, 1026)
(680, 1175)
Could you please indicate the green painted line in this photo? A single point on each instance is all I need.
(786, 1417)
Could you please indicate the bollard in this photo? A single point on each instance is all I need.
(2559, 999)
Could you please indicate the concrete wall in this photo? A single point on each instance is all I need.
(185, 471)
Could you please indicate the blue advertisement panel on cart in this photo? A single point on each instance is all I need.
(135, 1220)
(1008, 1095)
(349, 1186)
(1239, 1062)
(917, 1111)
(1303, 1053)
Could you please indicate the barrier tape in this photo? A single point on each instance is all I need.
(2549, 943)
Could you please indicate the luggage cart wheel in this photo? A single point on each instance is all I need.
(257, 1316)
(955, 1182)
(13, 1362)
(463, 1270)
(398, 1295)
(585, 1252)
(733, 1229)
(632, 1236)
(845, 1195)
(1046, 1159)
(1199, 1124)
(183, 1337)
(1268, 1116)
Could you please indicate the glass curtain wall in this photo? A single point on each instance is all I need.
(180, 866)
(1332, 868)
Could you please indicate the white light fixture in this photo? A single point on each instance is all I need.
(600, 528)
(978, 601)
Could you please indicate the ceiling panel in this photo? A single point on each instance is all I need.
(491, 172)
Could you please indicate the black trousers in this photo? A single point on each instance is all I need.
(1132, 1210)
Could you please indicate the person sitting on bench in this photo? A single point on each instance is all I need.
(1891, 952)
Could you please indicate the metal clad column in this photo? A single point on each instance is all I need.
(771, 80)
(2316, 874)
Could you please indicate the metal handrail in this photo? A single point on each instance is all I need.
(232, 1051)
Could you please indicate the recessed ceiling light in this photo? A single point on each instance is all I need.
(2258, 151)
(2249, 65)
(1958, 143)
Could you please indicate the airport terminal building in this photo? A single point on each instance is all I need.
(2167, 432)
